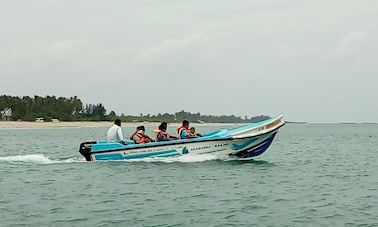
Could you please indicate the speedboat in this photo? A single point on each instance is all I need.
(243, 142)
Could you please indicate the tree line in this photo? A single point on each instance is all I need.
(72, 109)
(193, 117)
(49, 107)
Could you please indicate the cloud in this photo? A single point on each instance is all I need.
(171, 48)
(297, 57)
(66, 45)
(172, 57)
(357, 44)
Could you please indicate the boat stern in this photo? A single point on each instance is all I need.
(85, 149)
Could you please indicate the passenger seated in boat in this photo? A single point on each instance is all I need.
(140, 137)
(162, 134)
(194, 133)
(184, 131)
(115, 134)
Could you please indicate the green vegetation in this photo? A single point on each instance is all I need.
(72, 109)
(197, 117)
(65, 109)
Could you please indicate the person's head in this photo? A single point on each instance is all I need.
(117, 122)
(192, 130)
(141, 129)
(185, 123)
(163, 126)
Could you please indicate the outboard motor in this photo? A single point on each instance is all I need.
(85, 149)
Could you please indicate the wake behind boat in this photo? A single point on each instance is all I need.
(244, 143)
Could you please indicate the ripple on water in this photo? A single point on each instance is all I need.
(312, 175)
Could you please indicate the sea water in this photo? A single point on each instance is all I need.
(312, 175)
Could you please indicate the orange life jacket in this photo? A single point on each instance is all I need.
(179, 130)
(142, 138)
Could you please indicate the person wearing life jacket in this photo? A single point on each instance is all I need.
(140, 137)
(184, 131)
(162, 134)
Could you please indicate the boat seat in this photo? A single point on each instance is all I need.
(218, 134)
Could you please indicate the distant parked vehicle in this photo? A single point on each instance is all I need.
(6, 114)
(39, 120)
(54, 120)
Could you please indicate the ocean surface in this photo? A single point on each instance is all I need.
(312, 175)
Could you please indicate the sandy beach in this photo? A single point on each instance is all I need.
(64, 124)
(87, 124)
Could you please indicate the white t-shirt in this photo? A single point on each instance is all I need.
(114, 134)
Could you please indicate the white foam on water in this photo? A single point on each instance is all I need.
(184, 158)
(72, 160)
(42, 159)
(37, 158)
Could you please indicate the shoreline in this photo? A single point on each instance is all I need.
(105, 124)
(62, 124)
(86, 124)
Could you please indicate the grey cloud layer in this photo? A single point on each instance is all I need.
(311, 60)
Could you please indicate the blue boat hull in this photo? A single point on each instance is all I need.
(257, 149)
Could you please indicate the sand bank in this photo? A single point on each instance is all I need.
(65, 124)
(90, 124)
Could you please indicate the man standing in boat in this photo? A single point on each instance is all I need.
(115, 134)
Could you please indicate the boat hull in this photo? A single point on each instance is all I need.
(238, 148)
(243, 143)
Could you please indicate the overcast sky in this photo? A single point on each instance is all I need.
(310, 60)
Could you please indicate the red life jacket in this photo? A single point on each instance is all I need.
(179, 130)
